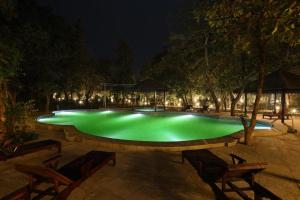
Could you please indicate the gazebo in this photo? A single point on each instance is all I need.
(277, 82)
(149, 85)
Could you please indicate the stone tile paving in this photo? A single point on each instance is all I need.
(161, 176)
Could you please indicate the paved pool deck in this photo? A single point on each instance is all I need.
(162, 176)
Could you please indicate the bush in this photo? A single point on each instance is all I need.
(13, 140)
(16, 113)
(20, 137)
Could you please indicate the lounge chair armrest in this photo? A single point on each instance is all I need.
(52, 162)
(236, 159)
(247, 166)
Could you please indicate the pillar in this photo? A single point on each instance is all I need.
(155, 100)
(282, 106)
(246, 104)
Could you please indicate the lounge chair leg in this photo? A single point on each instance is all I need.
(59, 148)
(27, 195)
(257, 197)
(114, 161)
(223, 185)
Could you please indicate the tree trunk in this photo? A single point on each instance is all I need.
(8, 98)
(215, 99)
(3, 96)
(224, 101)
(234, 101)
(88, 95)
(208, 81)
(122, 99)
(10, 124)
(2, 108)
(185, 103)
(191, 96)
(47, 104)
(249, 129)
(66, 96)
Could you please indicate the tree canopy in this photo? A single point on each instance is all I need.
(215, 48)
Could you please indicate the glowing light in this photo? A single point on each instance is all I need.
(80, 102)
(277, 107)
(262, 127)
(294, 111)
(185, 116)
(129, 101)
(172, 136)
(211, 106)
(167, 103)
(54, 95)
(106, 112)
(242, 100)
(195, 99)
(188, 116)
(75, 98)
(198, 104)
(179, 104)
(42, 120)
(65, 113)
(180, 99)
(133, 116)
(219, 100)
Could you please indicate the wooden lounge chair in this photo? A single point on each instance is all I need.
(270, 114)
(20, 194)
(31, 148)
(61, 181)
(213, 169)
(287, 115)
(205, 108)
(276, 115)
(188, 108)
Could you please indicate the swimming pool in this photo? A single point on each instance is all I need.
(146, 126)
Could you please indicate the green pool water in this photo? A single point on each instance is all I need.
(149, 127)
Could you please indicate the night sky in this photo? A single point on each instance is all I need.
(142, 23)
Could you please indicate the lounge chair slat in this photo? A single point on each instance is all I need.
(238, 191)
